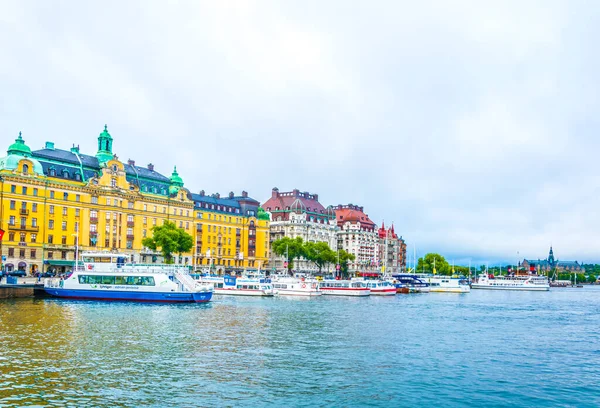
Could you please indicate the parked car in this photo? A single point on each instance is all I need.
(14, 273)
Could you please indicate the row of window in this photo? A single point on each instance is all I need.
(34, 192)
(116, 280)
(64, 173)
(33, 254)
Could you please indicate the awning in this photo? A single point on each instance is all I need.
(59, 262)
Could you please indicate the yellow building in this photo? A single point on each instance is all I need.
(53, 200)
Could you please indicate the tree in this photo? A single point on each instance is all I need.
(426, 264)
(169, 239)
(319, 253)
(344, 259)
(292, 248)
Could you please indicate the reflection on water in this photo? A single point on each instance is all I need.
(482, 348)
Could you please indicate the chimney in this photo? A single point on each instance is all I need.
(50, 145)
(74, 149)
(316, 197)
(131, 162)
(296, 192)
(275, 192)
(245, 194)
(231, 195)
(202, 193)
(217, 195)
(151, 167)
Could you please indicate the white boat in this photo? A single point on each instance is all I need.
(107, 276)
(239, 286)
(515, 282)
(446, 284)
(380, 288)
(344, 288)
(296, 286)
(412, 283)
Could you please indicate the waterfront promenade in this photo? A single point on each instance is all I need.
(485, 348)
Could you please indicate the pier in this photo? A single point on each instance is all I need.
(21, 288)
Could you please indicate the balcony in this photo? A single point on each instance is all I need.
(199, 242)
(22, 227)
(93, 220)
(24, 211)
(130, 223)
(93, 233)
(199, 229)
(130, 237)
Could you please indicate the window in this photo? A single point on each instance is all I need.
(63, 240)
(35, 191)
(32, 254)
(145, 220)
(50, 239)
(116, 202)
(13, 189)
(51, 209)
(50, 255)
(51, 194)
(154, 208)
(94, 200)
(180, 212)
(11, 220)
(129, 231)
(113, 182)
(93, 214)
(143, 233)
(24, 189)
(33, 237)
(93, 227)
(174, 211)
(65, 211)
(50, 224)
(130, 204)
(64, 225)
(34, 207)
(108, 216)
(11, 252)
(12, 204)
(76, 212)
(108, 201)
(21, 253)
(22, 237)
(77, 197)
(130, 218)
(77, 176)
(63, 255)
(34, 222)
(65, 196)
(187, 225)
(76, 226)
(180, 224)
(154, 221)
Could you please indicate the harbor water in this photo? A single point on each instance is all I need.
(484, 348)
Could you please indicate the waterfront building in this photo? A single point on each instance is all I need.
(300, 214)
(549, 264)
(54, 200)
(357, 236)
(390, 250)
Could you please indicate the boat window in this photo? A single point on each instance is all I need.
(108, 280)
(120, 280)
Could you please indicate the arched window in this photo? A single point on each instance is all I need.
(252, 223)
(65, 173)
(78, 176)
(52, 171)
(25, 169)
(113, 182)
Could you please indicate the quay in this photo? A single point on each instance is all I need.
(21, 288)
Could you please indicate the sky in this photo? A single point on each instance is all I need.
(472, 126)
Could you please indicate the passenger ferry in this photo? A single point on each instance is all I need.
(344, 288)
(381, 288)
(446, 284)
(413, 283)
(107, 276)
(296, 286)
(515, 282)
(239, 286)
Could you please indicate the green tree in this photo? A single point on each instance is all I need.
(591, 278)
(319, 253)
(344, 259)
(292, 248)
(169, 240)
(426, 263)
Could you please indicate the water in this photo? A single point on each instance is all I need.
(485, 348)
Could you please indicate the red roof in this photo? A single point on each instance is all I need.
(296, 201)
(353, 214)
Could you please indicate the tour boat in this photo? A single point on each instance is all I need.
(344, 288)
(515, 282)
(446, 284)
(412, 283)
(239, 286)
(380, 288)
(106, 276)
(295, 286)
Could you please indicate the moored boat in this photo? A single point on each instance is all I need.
(529, 282)
(296, 286)
(239, 286)
(106, 276)
(411, 283)
(380, 288)
(446, 284)
(344, 288)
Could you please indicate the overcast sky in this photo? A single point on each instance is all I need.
(473, 126)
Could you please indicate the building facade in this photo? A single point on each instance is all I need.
(357, 235)
(300, 214)
(390, 250)
(55, 201)
(550, 264)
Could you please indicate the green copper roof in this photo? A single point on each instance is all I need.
(175, 179)
(263, 215)
(105, 140)
(19, 147)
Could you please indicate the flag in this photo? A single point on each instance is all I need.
(1, 234)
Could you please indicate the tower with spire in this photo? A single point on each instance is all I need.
(105, 140)
(551, 261)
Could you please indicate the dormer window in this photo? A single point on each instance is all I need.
(115, 168)
(77, 176)
(25, 169)
(52, 171)
(113, 182)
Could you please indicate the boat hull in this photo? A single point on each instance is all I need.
(243, 292)
(529, 288)
(383, 292)
(164, 297)
(283, 292)
(345, 292)
(449, 290)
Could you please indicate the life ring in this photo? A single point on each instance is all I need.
(90, 267)
(304, 286)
